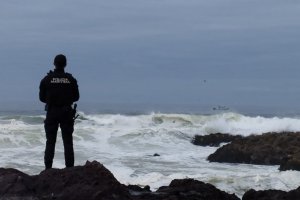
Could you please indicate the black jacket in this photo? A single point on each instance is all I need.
(58, 89)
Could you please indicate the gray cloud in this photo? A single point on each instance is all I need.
(131, 51)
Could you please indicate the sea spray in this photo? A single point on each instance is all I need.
(125, 144)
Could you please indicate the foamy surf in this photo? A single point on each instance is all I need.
(125, 144)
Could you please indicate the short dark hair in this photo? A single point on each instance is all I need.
(60, 61)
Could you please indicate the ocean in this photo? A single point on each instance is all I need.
(126, 144)
(232, 53)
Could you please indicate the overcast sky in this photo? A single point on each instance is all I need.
(176, 52)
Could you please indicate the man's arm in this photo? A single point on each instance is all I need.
(75, 91)
(42, 93)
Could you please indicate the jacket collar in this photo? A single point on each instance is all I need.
(59, 70)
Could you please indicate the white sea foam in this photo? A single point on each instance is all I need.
(126, 144)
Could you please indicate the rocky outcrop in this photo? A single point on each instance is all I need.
(272, 195)
(291, 162)
(187, 189)
(14, 183)
(267, 149)
(214, 139)
(94, 182)
(91, 181)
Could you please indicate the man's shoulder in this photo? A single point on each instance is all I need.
(49, 74)
(69, 75)
(46, 79)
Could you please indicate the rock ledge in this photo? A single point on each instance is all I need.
(94, 182)
(266, 149)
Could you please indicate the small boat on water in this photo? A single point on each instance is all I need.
(220, 108)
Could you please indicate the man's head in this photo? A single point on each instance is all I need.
(60, 61)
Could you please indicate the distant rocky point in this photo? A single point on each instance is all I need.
(267, 149)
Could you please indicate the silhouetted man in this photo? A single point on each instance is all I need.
(59, 90)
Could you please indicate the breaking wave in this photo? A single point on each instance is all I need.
(125, 144)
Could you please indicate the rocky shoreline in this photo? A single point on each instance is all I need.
(94, 182)
(281, 149)
(267, 149)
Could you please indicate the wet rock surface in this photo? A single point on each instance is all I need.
(266, 149)
(272, 195)
(214, 139)
(15, 183)
(186, 189)
(291, 162)
(93, 181)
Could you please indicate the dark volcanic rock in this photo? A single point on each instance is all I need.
(291, 162)
(266, 149)
(135, 189)
(94, 182)
(187, 189)
(14, 183)
(263, 195)
(272, 195)
(214, 139)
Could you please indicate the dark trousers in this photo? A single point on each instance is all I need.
(59, 117)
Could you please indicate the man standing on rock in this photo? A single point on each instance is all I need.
(59, 90)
